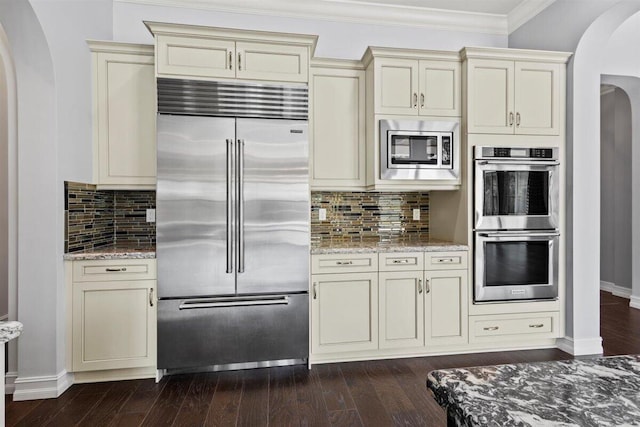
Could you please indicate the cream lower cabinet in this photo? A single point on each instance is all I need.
(446, 308)
(124, 115)
(344, 312)
(401, 309)
(113, 315)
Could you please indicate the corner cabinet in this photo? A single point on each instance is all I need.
(511, 91)
(337, 122)
(124, 115)
(199, 52)
(113, 316)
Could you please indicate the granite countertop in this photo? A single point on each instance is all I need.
(603, 391)
(375, 246)
(112, 253)
(10, 330)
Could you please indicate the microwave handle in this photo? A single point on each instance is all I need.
(519, 163)
(520, 234)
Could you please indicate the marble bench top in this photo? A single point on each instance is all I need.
(603, 391)
(375, 246)
(10, 330)
(112, 253)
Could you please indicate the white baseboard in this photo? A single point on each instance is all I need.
(47, 387)
(619, 291)
(583, 347)
(634, 302)
(9, 382)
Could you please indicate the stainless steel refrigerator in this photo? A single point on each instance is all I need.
(232, 226)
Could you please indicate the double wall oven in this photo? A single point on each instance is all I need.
(516, 229)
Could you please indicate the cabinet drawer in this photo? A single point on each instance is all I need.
(344, 263)
(401, 261)
(445, 260)
(514, 326)
(109, 270)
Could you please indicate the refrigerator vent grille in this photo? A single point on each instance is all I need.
(230, 99)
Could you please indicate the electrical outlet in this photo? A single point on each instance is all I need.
(151, 215)
(416, 214)
(322, 214)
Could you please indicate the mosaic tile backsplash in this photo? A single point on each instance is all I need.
(101, 218)
(369, 216)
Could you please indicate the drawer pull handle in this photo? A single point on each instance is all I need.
(344, 262)
(401, 261)
(491, 328)
(230, 60)
(537, 325)
(511, 119)
(422, 100)
(445, 260)
(111, 270)
(239, 61)
(415, 100)
(315, 293)
(428, 287)
(419, 286)
(151, 297)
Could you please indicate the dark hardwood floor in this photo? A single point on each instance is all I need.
(374, 393)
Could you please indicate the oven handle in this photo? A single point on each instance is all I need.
(521, 163)
(520, 234)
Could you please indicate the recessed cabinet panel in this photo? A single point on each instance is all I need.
(401, 309)
(537, 98)
(261, 61)
(439, 88)
(446, 307)
(344, 310)
(397, 88)
(338, 129)
(490, 97)
(191, 56)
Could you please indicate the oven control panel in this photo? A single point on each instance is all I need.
(516, 153)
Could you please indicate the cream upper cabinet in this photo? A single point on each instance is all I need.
(446, 307)
(412, 83)
(113, 320)
(124, 115)
(337, 121)
(198, 52)
(344, 311)
(514, 91)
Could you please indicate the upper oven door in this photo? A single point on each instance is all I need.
(516, 195)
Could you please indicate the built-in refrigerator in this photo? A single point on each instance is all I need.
(232, 225)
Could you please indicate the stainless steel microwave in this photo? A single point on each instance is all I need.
(420, 149)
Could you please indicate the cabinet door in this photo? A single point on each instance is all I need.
(125, 120)
(401, 312)
(263, 61)
(337, 129)
(344, 312)
(195, 57)
(537, 98)
(439, 88)
(114, 325)
(396, 86)
(490, 96)
(446, 307)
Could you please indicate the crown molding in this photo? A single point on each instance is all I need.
(524, 12)
(351, 11)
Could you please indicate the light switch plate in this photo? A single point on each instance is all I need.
(151, 215)
(322, 214)
(416, 214)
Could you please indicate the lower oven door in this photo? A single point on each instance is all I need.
(516, 265)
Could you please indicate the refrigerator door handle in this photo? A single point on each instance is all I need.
(229, 205)
(233, 302)
(240, 198)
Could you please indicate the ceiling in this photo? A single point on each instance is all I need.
(485, 16)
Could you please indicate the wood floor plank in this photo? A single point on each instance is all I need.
(368, 404)
(16, 411)
(195, 407)
(349, 418)
(75, 410)
(311, 406)
(48, 408)
(128, 419)
(337, 396)
(254, 406)
(165, 409)
(110, 404)
(226, 400)
(283, 404)
(143, 398)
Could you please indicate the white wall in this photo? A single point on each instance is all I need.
(617, 58)
(4, 193)
(336, 39)
(616, 189)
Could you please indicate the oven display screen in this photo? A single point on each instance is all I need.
(516, 263)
